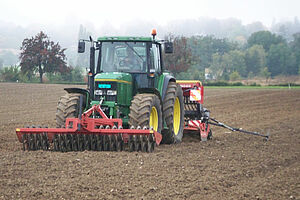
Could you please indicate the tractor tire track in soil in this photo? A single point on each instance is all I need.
(231, 166)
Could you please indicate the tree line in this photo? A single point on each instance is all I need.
(264, 54)
(197, 57)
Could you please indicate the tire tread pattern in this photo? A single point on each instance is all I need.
(67, 107)
(140, 110)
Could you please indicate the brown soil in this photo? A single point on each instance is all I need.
(231, 166)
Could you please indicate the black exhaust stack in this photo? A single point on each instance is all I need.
(91, 80)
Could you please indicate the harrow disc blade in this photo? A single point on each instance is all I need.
(103, 139)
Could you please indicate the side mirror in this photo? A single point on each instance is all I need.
(169, 47)
(81, 47)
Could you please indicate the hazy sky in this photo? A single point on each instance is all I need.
(116, 12)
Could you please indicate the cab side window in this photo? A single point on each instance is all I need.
(155, 58)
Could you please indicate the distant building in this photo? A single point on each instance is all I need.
(209, 75)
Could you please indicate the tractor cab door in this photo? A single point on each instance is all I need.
(155, 58)
(148, 79)
(155, 63)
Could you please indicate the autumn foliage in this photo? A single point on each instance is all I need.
(40, 55)
(181, 59)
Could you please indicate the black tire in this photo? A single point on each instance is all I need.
(173, 92)
(67, 107)
(140, 110)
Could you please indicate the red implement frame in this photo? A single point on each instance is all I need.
(196, 124)
(188, 85)
(88, 125)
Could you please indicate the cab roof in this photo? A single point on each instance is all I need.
(124, 38)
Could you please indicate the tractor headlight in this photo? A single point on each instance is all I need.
(111, 92)
(98, 92)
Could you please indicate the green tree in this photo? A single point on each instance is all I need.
(11, 74)
(39, 54)
(77, 74)
(216, 67)
(203, 48)
(264, 38)
(234, 76)
(192, 73)
(250, 75)
(295, 45)
(223, 65)
(281, 60)
(255, 59)
(236, 62)
(265, 73)
(1, 63)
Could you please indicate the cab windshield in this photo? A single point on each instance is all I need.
(123, 57)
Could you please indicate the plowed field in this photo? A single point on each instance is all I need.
(231, 166)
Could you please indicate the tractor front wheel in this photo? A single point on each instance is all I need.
(145, 111)
(67, 107)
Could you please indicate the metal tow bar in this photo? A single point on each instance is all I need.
(217, 123)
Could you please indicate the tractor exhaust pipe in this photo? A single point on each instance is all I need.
(92, 72)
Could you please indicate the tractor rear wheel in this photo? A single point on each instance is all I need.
(67, 107)
(173, 114)
(145, 111)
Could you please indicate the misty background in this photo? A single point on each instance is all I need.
(12, 35)
(67, 21)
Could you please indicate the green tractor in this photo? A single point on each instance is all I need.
(127, 77)
(131, 103)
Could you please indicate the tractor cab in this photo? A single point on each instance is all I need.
(121, 67)
(139, 57)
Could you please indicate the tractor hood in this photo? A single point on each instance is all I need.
(119, 77)
(115, 87)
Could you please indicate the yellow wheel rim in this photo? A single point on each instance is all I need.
(176, 116)
(153, 119)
